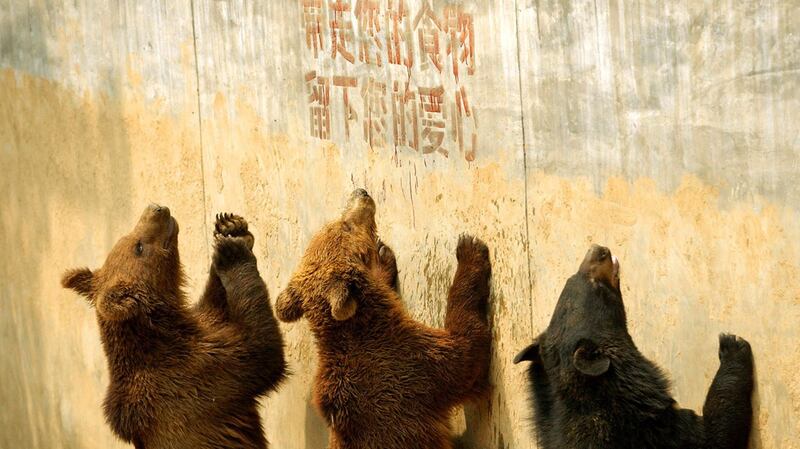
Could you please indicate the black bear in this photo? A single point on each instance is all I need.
(592, 388)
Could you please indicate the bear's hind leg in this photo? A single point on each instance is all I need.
(728, 411)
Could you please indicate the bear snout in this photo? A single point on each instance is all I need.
(601, 266)
(157, 209)
(360, 209)
(360, 193)
(156, 225)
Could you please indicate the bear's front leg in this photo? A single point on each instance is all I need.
(214, 301)
(465, 372)
(469, 293)
(249, 308)
(728, 411)
(233, 259)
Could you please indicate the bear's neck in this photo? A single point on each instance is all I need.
(636, 387)
(381, 314)
(163, 336)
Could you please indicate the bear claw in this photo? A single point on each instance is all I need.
(732, 346)
(385, 253)
(471, 247)
(232, 225)
(388, 262)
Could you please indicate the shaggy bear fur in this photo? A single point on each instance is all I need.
(383, 380)
(183, 378)
(591, 387)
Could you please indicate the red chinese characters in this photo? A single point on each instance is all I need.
(319, 101)
(370, 44)
(346, 82)
(373, 93)
(405, 121)
(341, 30)
(433, 119)
(399, 38)
(436, 47)
(428, 28)
(460, 39)
(312, 23)
(466, 126)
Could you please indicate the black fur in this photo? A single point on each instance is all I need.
(592, 388)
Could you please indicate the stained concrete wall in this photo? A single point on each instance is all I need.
(666, 130)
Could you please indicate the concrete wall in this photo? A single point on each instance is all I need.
(669, 131)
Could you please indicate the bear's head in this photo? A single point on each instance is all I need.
(589, 320)
(334, 267)
(142, 265)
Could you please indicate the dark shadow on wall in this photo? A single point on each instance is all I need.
(756, 441)
(49, 167)
(488, 419)
(60, 151)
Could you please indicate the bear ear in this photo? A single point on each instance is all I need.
(531, 353)
(589, 360)
(80, 280)
(343, 306)
(289, 305)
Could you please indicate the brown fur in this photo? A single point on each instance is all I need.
(181, 377)
(385, 381)
(601, 266)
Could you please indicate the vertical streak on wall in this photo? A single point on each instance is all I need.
(525, 167)
(200, 131)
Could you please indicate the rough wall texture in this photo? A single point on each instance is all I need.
(669, 131)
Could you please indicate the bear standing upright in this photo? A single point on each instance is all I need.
(385, 381)
(183, 378)
(592, 388)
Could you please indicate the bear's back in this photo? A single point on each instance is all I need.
(385, 394)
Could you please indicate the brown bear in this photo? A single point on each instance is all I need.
(183, 377)
(383, 380)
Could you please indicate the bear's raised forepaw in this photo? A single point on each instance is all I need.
(733, 348)
(386, 256)
(388, 263)
(471, 249)
(231, 225)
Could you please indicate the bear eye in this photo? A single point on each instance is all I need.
(139, 248)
